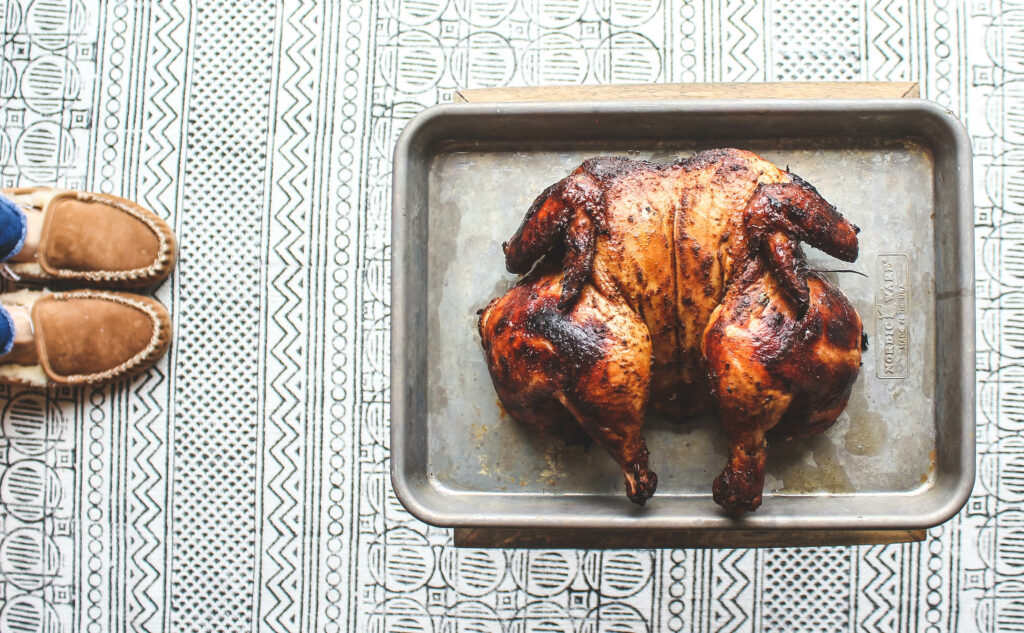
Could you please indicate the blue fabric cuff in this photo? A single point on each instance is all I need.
(13, 228)
(6, 331)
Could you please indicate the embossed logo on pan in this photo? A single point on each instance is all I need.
(892, 355)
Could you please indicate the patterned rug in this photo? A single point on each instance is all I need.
(243, 484)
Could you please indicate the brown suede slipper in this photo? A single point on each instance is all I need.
(86, 337)
(97, 239)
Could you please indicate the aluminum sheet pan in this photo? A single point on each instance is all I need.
(900, 456)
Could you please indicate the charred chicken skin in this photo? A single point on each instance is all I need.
(682, 287)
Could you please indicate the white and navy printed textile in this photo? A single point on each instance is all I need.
(243, 484)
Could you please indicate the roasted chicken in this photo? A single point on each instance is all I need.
(682, 287)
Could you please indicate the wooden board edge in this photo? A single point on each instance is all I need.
(913, 91)
(771, 90)
(676, 539)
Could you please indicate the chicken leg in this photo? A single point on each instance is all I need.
(590, 363)
(785, 344)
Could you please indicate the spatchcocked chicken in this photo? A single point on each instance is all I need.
(682, 287)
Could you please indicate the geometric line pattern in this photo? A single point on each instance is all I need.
(243, 483)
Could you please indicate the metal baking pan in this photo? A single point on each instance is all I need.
(900, 456)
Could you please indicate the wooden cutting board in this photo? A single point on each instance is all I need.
(648, 539)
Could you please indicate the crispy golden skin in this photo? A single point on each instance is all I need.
(682, 287)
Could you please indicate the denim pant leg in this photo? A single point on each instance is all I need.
(13, 227)
(6, 331)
